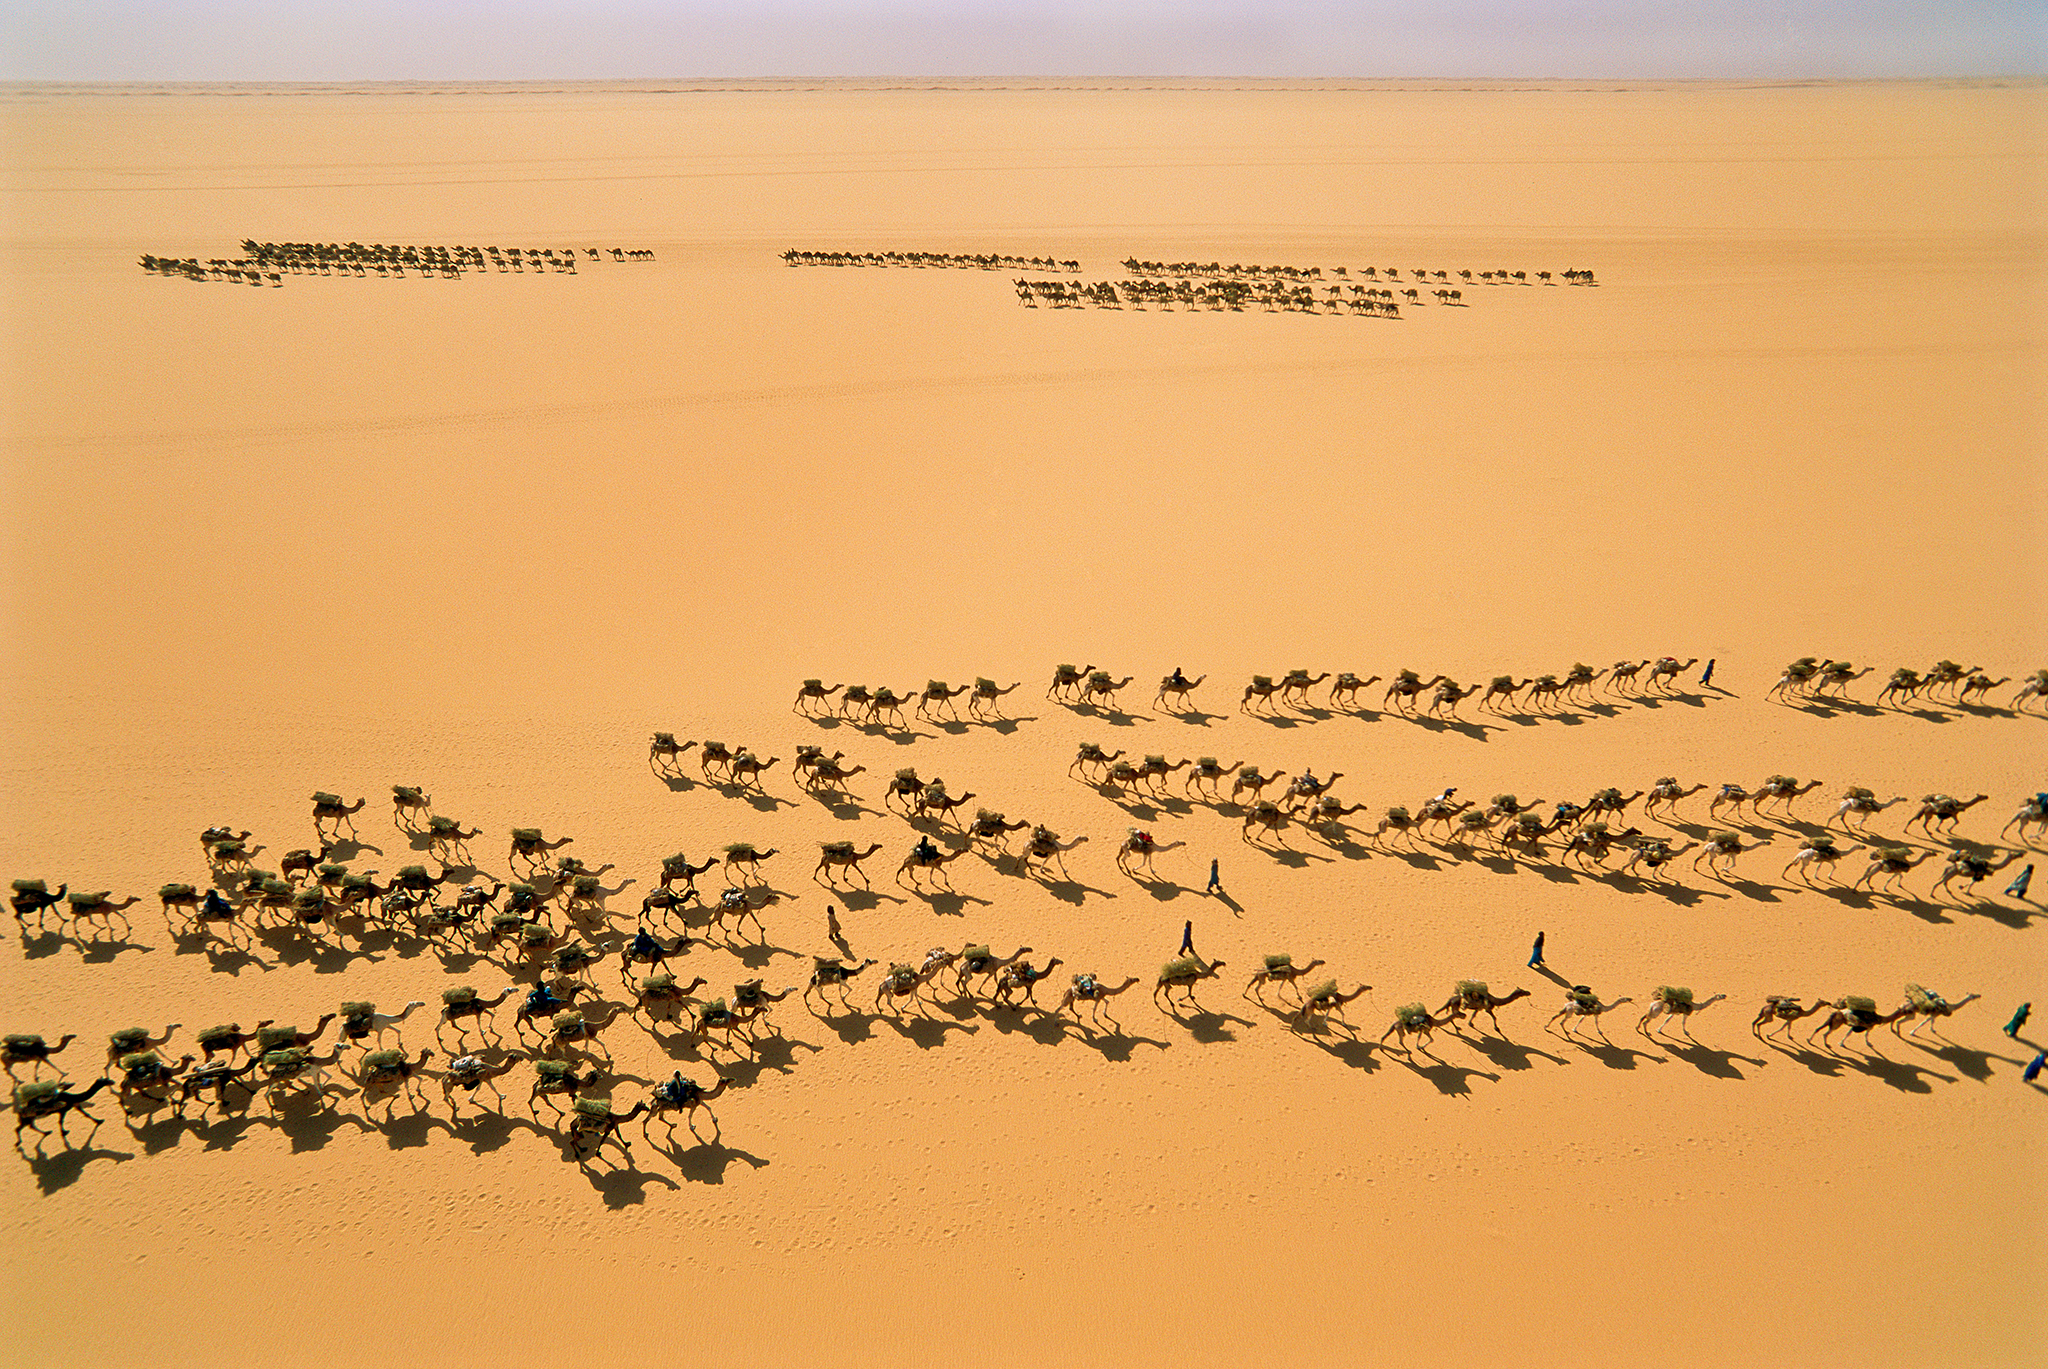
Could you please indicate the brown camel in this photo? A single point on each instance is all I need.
(1784, 1010)
(1502, 687)
(751, 1000)
(836, 855)
(329, 808)
(678, 1094)
(1596, 841)
(1930, 1007)
(1544, 687)
(828, 773)
(445, 837)
(1249, 779)
(1183, 973)
(745, 854)
(303, 861)
(986, 695)
(470, 1073)
(1939, 811)
(937, 694)
(1623, 673)
(1472, 825)
(571, 1027)
(103, 907)
(134, 1040)
(929, 858)
(1579, 680)
(1654, 853)
(1413, 1019)
(678, 867)
(1406, 688)
(1667, 791)
(660, 996)
(1021, 977)
(216, 1077)
(1047, 848)
(746, 768)
(1326, 999)
(1818, 851)
(1208, 771)
(1154, 770)
(832, 974)
(1450, 694)
(1263, 818)
(1294, 687)
(665, 753)
(1838, 676)
(49, 1098)
(592, 1123)
(1860, 803)
(990, 826)
(1470, 998)
(906, 786)
(1306, 789)
(1780, 789)
(289, 1065)
(1854, 1014)
(1179, 686)
(1610, 802)
(1398, 819)
(1065, 679)
(1733, 795)
(1946, 674)
(1440, 810)
(460, 1004)
(1904, 685)
(814, 691)
(226, 1040)
(976, 962)
(1329, 811)
(1101, 690)
(34, 896)
(1086, 988)
(1263, 688)
(1091, 758)
(1668, 668)
(886, 700)
(1893, 862)
(1800, 678)
(1138, 848)
(1971, 866)
(714, 753)
(1279, 969)
(1582, 1002)
(1674, 1005)
(289, 1038)
(1122, 775)
(23, 1048)
(386, 1069)
(552, 1077)
(855, 700)
(2033, 813)
(934, 802)
(530, 846)
(1348, 685)
(903, 981)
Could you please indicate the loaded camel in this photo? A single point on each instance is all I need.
(678, 867)
(1611, 802)
(1972, 867)
(976, 962)
(1930, 1007)
(1798, 678)
(1139, 847)
(1980, 685)
(1582, 1002)
(361, 1019)
(2033, 813)
(1101, 690)
(926, 856)
(2034, 687)
(1595, 842)
(1450, 693)
(677, 1094)
(1307, 789)
(49, 1098)
(1667, 791)
(101, 906)
(1179, 686)
(986, 695)
(814, 691)
(747, 768)
(1262, 687)
(1406, 688)
(1623, 673)
(470, 1073)
(665, 753)
(935, 803)
(571, 1027)
(1264, 817)
(1183, 974)
(1861, 803)
(906, 786)
(34, 896)
(1853, 1014)
(1471, 997)
(133, 1040)
(460, 1004)
(1398, 819)
(990, 826)
(592, 1122)
(1294, 687)
(1348, 685)
(840, 855)
(1936, 811)
(1086, 988)
(1734, 795)
(1021, 977)
(1838, 676)
(1440, 810)
(751, 1000)
(827, 974)
(1814, 851)
(227, 1039)
(1249, 779)
(445, 837)
(330, 808)
(305, 861)
(1065, 679)
(714, 753)
(216, 1076)
(1654, 853)
(1668, 668)
(828, 773)
(1721, 846)
(1154, 770)
(937, 693)
(902, 981)
(1782, 1010)
(1208, 771)
(856, 698)
(552, 1077)
(1279, 969)
(289, 1065)
(1046, 848)
(886, 700)
(1892, 862)
(660, 996)
(1093, 758)
(1781, 789)
(746, 854)
(1502, 687)
(25, 1048)
(1904, 684)
(1578, 682)
(1413, 1019)
(1325, 998)
(386, 1068)
(530, 846)
(1674, 1004)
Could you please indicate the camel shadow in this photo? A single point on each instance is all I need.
(776, 1053)
(1115, 717)
(1116, 1045)
(1359, 1055)
(345, 851)
(1506, 1054)
(1613, 1056)
(1005, 726)
(1421, 860)
(42, 945)
(98, 952)
(948, 903)
(851, 1027)
(1291, 858)
(756, 955)
(1072, 890)
(677, 784)
(157, 1133)
(761, 801)
(1208, 1027)
(1476, 731)
(1452, 1081)
(311, 1128)
(55, 1173)
(1197, 718)
(1045, 1027)
(1819, 1062)
(864, 900)
(1968, 1061)
(707, 1162)
(846, 808)
(895, 736)
(621, 1186)
(1708, 1060)
(1749, 888)
(1279, 720)
(226, 1130)
(1899, 1074)
(925, 1032)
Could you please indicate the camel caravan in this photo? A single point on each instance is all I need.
(268, 263)
(978, 261)
(1814, 679)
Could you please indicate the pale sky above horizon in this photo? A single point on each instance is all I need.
(397, 40)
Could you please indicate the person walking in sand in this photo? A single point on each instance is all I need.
(1216, 880)
(2019, 1020)
(1707, 675)
(832, 929)
(2033, 1070)
(1187, 938)
(1536, 953)
(2018, 887)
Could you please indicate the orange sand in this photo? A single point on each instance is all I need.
(485, 535)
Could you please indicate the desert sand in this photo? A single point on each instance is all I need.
(484, 535)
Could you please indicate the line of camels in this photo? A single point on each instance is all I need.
(1421, 276)
(264, 263)
(1815, 678)
(1234, 295)
(553, 1029)
(982, 261)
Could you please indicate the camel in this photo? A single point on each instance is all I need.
(1398, 819)
(530, 846)
(134, 1040)
(1904, 684)
(1813, 851)
(1621, 673)
(101, 906)
(928, 857)
(989, 826)
(470, 1073)
(1853, 1014)
(544, 1001)
(1178, 685)
(380, 1069)
(750, 1001)
(746, 768)
(665, 753)
(828, 773)
(1929, 1007)
(1348, 685)
(445, 837)
(1249, 778)
(572, 1027)
(227, 1039)
(1611, 802)
(1307, 789)
(902, 981)
(1980, 685)
(34, 896)
(460, 1004)
(907, 786)
(934, 802)
(831, 974)
(551, 1077)
(2034, 687)
(1721, 846)
(49, 1098)
(677, 1094)
(1413, 1019)
(592, 1122)
(1654, 853)
(359, 1019)
(1782, 789)
(185, 896)
(714, 753)
(1471, 997)
(937, 693)
(855, 697)
(288, 1038)
(1674, 1005)
(936, 960)
(1139, 847)
(1732, 794)
(1451, 693)
(886, 700)
(2033, 813)
(1045, 848)
(214, 836)
(740, 904)
(1798, 678)
(1262, 687)
(1325, 998)
(1440, 810)
(814, 691)
(1263, 817)
(1508, 806)
(573, 959)
(1122, 775)
(808, 756)
(1948, 673)
(1936, 810)
(1838, 676)
(659, 995)
(1471, 824)
(1862, 803)
(1297, 683)
(678, 867)
(1086, 988)
(745, 853)
(1544, 687)
(1064, 681)
(1208, 771)
(329, 808)
(833, 855)
(1893, 862)
(1502, 686)
(1405, 689)
(1328, 812)
(289, 1065)
(1154, 770)
(1579, 681)
(1784, 1010)
(216, 1077)
(1667, 669)
(1582, 1002)
(304, 861)
(230, 854)
(1595, 841)
(986, 693)
(1667, 791)
(977, 961)
(23, 1048)
(1021, 976)
(1183, 973)
(1090, 757)
(1279, 969)
(1971, 866)
(1101, 690)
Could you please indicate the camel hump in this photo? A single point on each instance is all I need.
(30, 886)
(356, 1012)
(41, 1091)
(457, 997)
(1472, 988)
(1181, 968)
(411, 793)
(1262, 681)
(658, 983)
(592, 1107)
(1398, 813)
(384, 1060)
(23, 1041)
(1676, 997)
(290, 1057)
(1408, 1014)
(324, 798)
(176, 891)
(1924, 999)
(128, 1038)
(1279, 962)
(1858, 1003)
(1326, 989)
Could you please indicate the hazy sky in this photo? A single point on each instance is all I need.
(355, 40)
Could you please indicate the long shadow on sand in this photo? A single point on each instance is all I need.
(1505, 1054)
